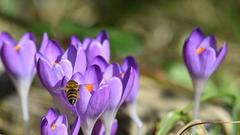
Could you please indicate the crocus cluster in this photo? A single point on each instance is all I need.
(202, 59)
(103, 86)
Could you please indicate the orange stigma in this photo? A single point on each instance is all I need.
(17, 47)
(54, 126)
(200, 50)
(89, 87)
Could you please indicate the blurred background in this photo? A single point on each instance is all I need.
(151, 30)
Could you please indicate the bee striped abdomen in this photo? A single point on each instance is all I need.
(72, 91)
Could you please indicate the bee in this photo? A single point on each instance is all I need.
(72, 91)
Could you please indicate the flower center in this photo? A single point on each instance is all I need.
(122, 75)
(55, 63)
(200, 50)
(17, 48)
(54, 126)
(90, 87)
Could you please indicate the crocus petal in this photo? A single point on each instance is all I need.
(76, 126)
(47, 76)
(100, 62)
(81, 61)
(12, 60)
(96, 49)
(115, 85)
(207, 59)
(98, 102)
(26, 37)
(51, 115)
(100, 130)
(6, 38)
(79, 78)
(196, 37)
(66, 67)
(130, 61)
(27, 53)
(220, 56)
(75, 41)
(86, 43)
(209, 41)
(60, 130)
(112, 70)
(127, 83)
(102, 36)
(51, 49)
(82, 102)
(93, 75)
(191, 58)
(135, 89)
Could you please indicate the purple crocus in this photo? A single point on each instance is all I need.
(202, 59)
(18, 60)
(53, 124)
(120, 86)
(100, 130)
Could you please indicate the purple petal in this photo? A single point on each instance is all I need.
(51, 49)
(93, 75)
(75, 41)
(97, 49)
(66, 67)
(11, 60)
(112, 70)
(196, 37)
(116, 90)
(130, 61)
(86, 43)
(6, 38)
(102, 36)
(191, 58)
(209, 41)
(79, 78)
(60, 130)
(100, 62)
(127, 82)
(207, 59)
(47, 76)
(82, 102)
(76, 126)
(81, 61)
(220, 56)
(135, 89)
(98, 102)
(51, 115)
(26, 37)
(27, 53)
(100, 130)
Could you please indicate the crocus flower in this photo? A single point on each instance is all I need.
(202, 59)
(53, 124)
(100, 130)
(18, 60)
(93, 98)
(120, 86)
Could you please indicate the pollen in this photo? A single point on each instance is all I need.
(200, 50)
(17, 48)
(54, 126)
(89, 87)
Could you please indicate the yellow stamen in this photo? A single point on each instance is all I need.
(17, 48)
(200, 50)
(54, 126)
(89, 87)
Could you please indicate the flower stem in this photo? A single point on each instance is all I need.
(88, 127)
(134, 116)
(107, 120)
(198, 87)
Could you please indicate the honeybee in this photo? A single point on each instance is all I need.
(72, 91)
